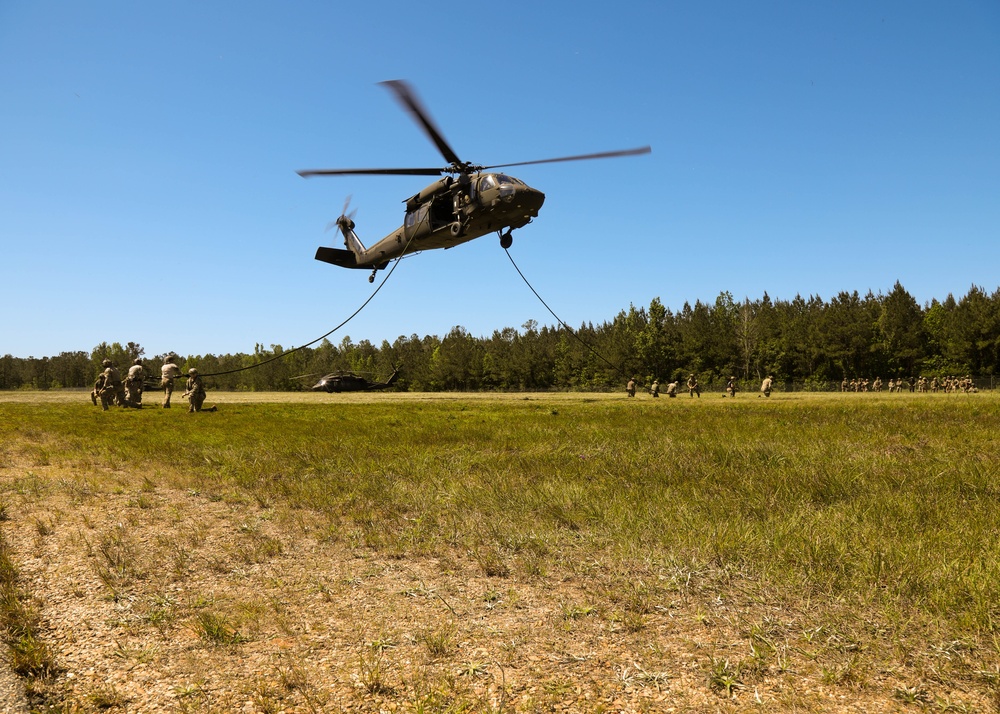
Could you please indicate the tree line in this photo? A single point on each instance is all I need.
(808, 341)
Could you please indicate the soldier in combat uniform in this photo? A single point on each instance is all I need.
(168, 373)
(630, 387)
(693, 387)
(765, 386)
(133, 384)
(96, 391)
(195, 392)
(113, 391)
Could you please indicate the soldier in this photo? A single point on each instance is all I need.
(195, 392)
(672, 388)
(168, 373)
(113, 391)
(655, 389)
(843, 385)
(96, 392)
(630, 387)
(731, 387)
(765, 386)
(693, 387)
(133, 384)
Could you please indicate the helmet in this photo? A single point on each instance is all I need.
(106, 363)
(137, 361)
(192, 371)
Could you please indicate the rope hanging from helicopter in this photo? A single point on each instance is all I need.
(590, 348)
(324, 336)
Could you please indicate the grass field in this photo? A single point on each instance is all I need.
(521, 553)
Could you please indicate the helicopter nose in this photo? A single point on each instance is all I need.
(531, 200)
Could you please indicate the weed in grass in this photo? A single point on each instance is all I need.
(440, 642)
(846, 672)
(143, 502)
(723, 677)
(257, 547)
(266, 697)
(107, 696)
(44, 528)
(373, 672)
(573, 611)
(117, 563)
(492, 563)
(217, 629)
(474, 669)
(916, 694)
(30, 656)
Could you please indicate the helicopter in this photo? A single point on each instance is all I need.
(469, 202)
(350, 382)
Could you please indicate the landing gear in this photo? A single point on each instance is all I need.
(371, 278)
(506, 240)
(456, 229)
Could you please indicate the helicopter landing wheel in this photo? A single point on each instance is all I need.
(506, 240)
(456, 229)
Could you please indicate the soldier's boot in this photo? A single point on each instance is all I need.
(93, 398)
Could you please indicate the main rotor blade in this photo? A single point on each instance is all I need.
(406, 96)
(581, 157)
(306, 173)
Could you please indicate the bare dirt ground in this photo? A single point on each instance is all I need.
(129, 585)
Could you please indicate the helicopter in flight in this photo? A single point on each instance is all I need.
(351, 382)
(469, 202)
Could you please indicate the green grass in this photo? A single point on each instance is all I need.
(858, 509)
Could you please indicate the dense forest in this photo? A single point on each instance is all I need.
(806, 343)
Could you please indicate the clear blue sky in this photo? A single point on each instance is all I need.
(148, 153)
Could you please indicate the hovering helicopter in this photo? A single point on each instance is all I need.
(469, 202)
(350, 382)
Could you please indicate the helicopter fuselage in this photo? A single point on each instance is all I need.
(448, 212)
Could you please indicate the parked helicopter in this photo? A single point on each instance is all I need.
(469, 202)
(350, 382)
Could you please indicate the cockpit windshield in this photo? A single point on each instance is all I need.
(493, 180)
(504, 178)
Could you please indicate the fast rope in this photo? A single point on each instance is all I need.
(592, 350)
(321, 337)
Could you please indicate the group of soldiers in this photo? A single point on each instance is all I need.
(913, 384)
(110, 388)
(694, 389)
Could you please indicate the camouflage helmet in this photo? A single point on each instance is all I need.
(105, 362)
(137, 361)
(192, 371)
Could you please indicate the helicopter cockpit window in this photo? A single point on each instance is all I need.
(503, 178)
(487, 182)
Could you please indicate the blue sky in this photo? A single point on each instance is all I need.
(148, 153)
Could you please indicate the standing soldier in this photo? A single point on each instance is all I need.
(630, 387)
(195, 392)
(693, 387)
(843, 385)
(731, 387)
(133, 384)
(168, 373)
(765, 386)
(655, 389)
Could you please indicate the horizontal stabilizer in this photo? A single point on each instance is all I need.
(338, 257)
